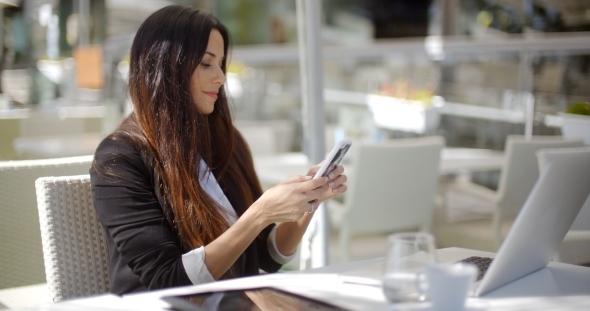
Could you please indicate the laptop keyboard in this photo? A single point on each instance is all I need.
(482, 264)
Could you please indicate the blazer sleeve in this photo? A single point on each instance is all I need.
(266, 261)
(130, 213)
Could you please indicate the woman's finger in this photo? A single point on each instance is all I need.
(340, 189)
(338, 181)
(295, 179)
(316, 193)
(312, 184)
(336, 172)
(314, 169)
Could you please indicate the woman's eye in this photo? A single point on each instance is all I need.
(206, 65)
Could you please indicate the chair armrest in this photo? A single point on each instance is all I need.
(577, 236)
(336, 212)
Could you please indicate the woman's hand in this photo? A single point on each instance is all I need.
(308, 194)
(291, 199)
(286, 202)
(335, 184)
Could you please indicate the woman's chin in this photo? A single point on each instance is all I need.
(206, 110)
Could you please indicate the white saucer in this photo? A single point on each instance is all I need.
(471, 304)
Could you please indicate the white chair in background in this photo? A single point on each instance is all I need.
(518, 176)
(575, 248)
(392, 189)
(21, 256)
(74, 246)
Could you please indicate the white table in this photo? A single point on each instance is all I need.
(273, 169)
(355, 286)
(460, 160)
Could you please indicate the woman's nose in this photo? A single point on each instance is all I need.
(220, 76)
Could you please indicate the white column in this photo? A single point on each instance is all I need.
(83, 22)
(526, 92)
(309, 25)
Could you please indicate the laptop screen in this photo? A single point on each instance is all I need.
(546, 217)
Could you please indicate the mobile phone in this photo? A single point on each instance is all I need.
(333, 158)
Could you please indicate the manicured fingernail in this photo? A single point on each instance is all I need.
(331, 184)
(331, 175)
(326, 178)
(335, 190)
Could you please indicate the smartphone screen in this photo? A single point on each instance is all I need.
(334, 158)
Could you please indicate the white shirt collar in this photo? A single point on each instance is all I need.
(212, 188)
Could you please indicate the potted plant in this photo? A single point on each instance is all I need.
(576, 121)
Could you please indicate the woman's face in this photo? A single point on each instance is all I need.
(208, 78)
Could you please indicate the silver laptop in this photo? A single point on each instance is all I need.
(543, 222)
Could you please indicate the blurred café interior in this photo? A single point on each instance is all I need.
(476, 79)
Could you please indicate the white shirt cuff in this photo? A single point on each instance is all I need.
(271, 243)
(194, 265)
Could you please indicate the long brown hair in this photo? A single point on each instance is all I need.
(166, 50)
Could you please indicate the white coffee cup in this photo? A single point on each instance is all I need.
(447, 285)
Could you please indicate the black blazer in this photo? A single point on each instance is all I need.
(145, 252)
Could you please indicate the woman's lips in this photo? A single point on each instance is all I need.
(211, 94)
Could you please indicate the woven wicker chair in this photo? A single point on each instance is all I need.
(21, 256)
(74, 247)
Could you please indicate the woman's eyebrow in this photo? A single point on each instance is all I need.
(212, 54)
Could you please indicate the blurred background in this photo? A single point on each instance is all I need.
(64, 65)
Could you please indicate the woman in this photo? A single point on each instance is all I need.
(174, 186)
